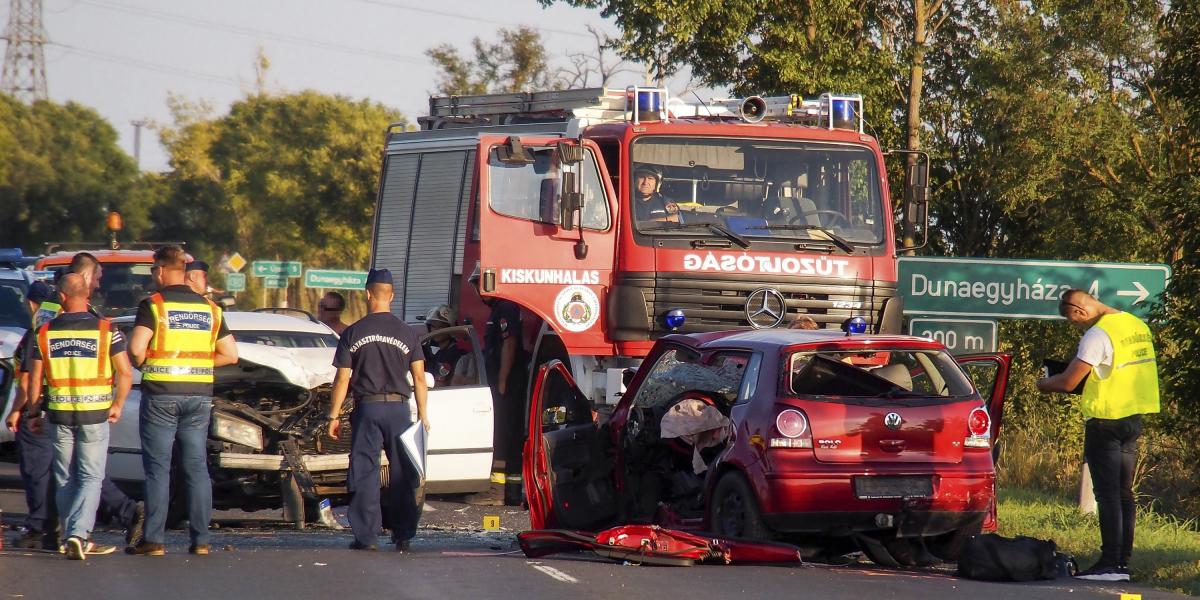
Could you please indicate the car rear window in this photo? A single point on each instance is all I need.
(889, 374)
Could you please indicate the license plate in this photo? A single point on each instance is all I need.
(873, 488)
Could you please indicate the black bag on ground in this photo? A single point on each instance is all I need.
(990, 557)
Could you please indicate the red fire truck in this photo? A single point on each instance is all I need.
(613, 217)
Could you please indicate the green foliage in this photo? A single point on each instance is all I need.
(60, 172)
(291, 176)
(516, 62)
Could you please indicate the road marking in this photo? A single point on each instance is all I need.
(553, 573)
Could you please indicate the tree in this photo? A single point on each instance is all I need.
(515, 63)
(61, 170)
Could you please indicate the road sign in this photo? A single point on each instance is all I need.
(960, 336)
(334, 279)
(275, 268)
(235, 262)
(1022, 289)
(275, 282)
(235, 282)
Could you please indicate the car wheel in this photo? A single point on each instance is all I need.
(735, 512)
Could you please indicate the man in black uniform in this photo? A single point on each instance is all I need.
(506, 362)
(648, 203)
(376, 359)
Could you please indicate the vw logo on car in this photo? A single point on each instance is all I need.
(765, 308)
(893, 420)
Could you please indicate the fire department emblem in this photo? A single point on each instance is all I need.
(576, 308)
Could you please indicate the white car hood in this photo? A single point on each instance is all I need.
(304, 367)
(10, 337)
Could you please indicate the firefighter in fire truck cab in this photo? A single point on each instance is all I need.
(649, 203)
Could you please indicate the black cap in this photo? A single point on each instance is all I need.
(379, 276)
(197, 265)
(39, 292)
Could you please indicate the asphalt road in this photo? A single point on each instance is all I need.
(258, 556)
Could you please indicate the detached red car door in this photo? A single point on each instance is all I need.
(567, 470)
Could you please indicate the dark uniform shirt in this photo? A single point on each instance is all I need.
(653, 208)
(379, 348)
(440, 362)
(78, 321)
(504, 322)
(145, 318)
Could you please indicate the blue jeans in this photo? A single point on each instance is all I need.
(376, 426)
(163, 420)
(80, 453)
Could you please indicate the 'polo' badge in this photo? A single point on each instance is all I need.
(893, 420)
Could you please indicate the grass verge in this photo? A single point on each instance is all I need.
(1166, 552)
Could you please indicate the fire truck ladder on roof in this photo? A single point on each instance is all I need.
(600, 104)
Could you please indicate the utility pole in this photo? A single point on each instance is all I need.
(24, 75)
(137, 141)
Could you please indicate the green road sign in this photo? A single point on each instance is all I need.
(1022, 289)
(333, 279)
(275, 282)
(235, 282)
(275, 268)
(960, 336)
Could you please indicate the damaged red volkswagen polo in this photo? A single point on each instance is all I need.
(832, 442)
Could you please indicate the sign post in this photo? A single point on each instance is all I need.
(235, 282)
(275, 268)
(960, 336)
(1022, 289)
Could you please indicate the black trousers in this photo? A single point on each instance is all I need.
(376, 426)
(1110, 448)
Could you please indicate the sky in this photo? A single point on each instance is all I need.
(126, 57)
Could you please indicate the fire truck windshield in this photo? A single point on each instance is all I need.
(122, 287)
(758, 189)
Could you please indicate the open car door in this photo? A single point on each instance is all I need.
(989, 373)
(460, 408)
(567, 472)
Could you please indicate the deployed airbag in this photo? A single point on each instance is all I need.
(697, 423)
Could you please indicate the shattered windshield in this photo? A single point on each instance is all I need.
(776, 190)
(877, 374)
(677, 371)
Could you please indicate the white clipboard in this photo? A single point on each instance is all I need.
(415, 443)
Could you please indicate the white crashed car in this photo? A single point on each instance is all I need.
(266, 446)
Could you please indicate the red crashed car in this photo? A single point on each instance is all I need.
(830, 441)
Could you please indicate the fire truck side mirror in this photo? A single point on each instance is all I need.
(570, 200)
(570, 154)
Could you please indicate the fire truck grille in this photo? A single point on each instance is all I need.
(714, 304)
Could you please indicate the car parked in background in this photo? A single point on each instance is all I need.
(14, 320)
(831, 441)
(268, 446)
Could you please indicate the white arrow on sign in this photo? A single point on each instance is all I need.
(1142, 293)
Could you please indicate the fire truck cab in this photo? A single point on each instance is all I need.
(614, 217)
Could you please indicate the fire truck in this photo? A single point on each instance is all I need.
(616, 216)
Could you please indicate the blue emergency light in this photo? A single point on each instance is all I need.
(854, 325)
(674, 319)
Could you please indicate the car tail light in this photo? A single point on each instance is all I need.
(979, 426)
(792, 426)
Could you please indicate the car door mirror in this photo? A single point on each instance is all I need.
(554, 416)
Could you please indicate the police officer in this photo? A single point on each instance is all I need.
(80, 356)
(376, 359)
(1116, 355)
(178, 339)
(37, 450)
(506, 362)
(197, 277)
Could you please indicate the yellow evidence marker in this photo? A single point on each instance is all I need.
(492, 523)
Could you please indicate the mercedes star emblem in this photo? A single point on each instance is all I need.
(765, 308)
(893, 420)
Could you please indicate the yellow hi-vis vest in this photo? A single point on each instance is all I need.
(1131, 388)
(184, 343)
(78, 367)
(46, 312)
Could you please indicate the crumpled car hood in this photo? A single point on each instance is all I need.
(304, 367)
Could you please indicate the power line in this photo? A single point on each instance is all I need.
(251, 32)
(465, 17)
(149, 66)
